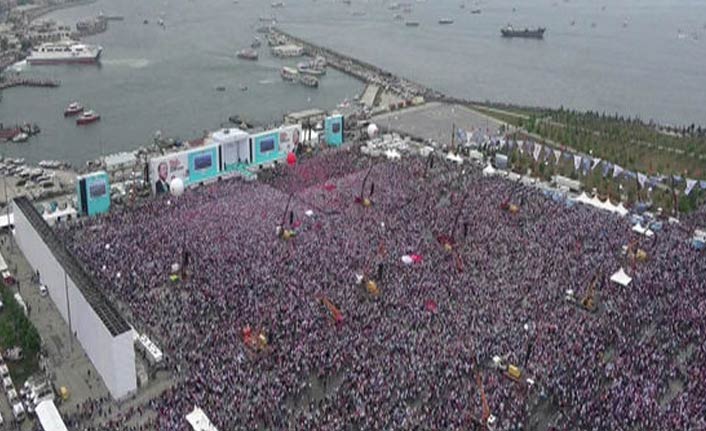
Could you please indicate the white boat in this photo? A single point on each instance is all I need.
(289, 73)
(64, 52)
(20, 137)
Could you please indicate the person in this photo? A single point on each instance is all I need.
(162, 185)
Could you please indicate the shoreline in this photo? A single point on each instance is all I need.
(36, 14)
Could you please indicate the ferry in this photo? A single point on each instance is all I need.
(289, 74)
(74, 108)
(64, 52)
(87, 117)
(248, 54)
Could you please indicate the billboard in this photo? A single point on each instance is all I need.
(93, 193)
(333, 129)
(203, 164)
(266, 147)
(289, 138)
(164, 169)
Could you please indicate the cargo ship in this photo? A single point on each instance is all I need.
(537, 33)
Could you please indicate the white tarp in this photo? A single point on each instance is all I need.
(642, 230)
(49, 416)
(621, 278)
(199, 421)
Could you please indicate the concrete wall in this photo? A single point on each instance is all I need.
(113, 356)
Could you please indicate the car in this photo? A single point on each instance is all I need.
(43, 291)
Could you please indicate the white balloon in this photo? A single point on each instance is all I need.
(372, 130)
(176, 187)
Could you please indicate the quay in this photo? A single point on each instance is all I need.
(28, 82)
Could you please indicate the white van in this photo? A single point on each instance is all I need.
(18, 411)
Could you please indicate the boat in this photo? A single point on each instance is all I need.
(412, 23)
(64, 52)
(87, 117)
(248, 54)
(146, 21)
(278, 4)
(50, 164)
(309, 81)
(537, 33)
(160, 22)
(221, 88)
(20, 137)
(74, 108)
(7, 133)
(476, 11)
(289, 73)
(444, 21)
(310, 68)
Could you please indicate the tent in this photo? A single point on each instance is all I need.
(621, 278)
(199, 421)
(642, 230)
(49, 416)
(489, 170)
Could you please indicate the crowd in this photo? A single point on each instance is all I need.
(394, 362)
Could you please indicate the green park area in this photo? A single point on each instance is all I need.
(633, 144)
(16, 330)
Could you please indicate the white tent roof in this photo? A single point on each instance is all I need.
(49, 416)
(621, 278)
(4, 218)
(199, 421)
(454, 158)
(642, 230)
(489, 170)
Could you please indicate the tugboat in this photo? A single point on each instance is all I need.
(248, 54)
(537, 33)
(87, 117)
(74, 108)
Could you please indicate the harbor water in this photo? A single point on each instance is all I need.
(636, 57)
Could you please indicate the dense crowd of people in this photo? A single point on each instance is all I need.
(486, 282)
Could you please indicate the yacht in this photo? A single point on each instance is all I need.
(64, 52)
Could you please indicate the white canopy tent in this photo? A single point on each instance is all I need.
(199, 421)
(49, 417)
(489, 170)
(621, 278)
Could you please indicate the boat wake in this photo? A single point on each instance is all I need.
(19, 66)
(133, 63)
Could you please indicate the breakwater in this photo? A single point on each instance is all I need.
(366, 72)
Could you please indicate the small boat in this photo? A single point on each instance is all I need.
(146, 21)
(160, 22)
(248, 54)
(537, 33)
(243, 87)
(310, 68)
(476, 11)
(445, 21)
(309, 81)
(74, 108)
(412, 23)
(87, 117)
(289, 74)
(20, 137)
(278, 4)
(221, 88)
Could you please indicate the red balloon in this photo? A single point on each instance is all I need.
(291, 159)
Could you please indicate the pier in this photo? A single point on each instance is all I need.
(28, 82)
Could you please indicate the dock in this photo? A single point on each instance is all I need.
(28, 82)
